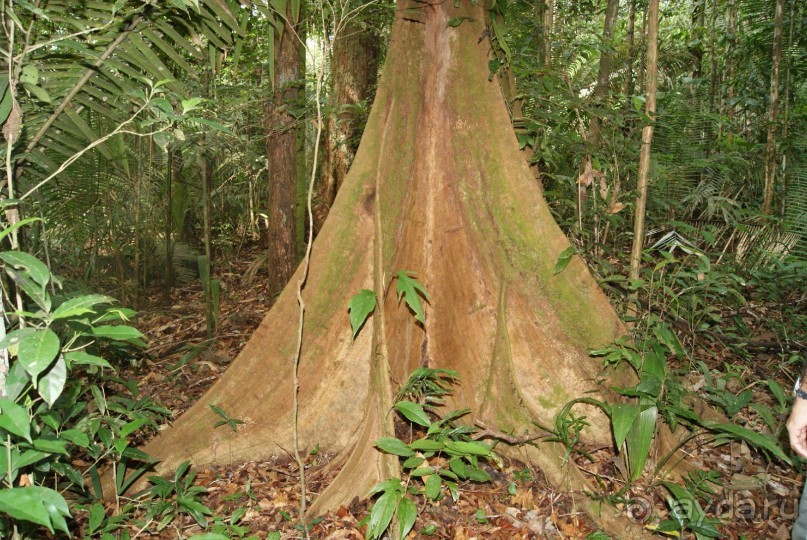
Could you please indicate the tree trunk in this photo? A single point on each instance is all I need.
(628, 86)
(282, 156)
(169, 224)
(731, 51)
(770, 149)
(354, 68)
(603, 74)
(544, 17)
(438, 187)
(647, 139)
(696, 45)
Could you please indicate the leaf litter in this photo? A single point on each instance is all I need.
(757, 498)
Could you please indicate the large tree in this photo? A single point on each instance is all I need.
(438, 187)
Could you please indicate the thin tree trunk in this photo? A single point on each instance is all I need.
(354, 68)
(713, 75)
(786, 115)
(138, 232)
(642, 47)
(647, 139)
(603, 73)
(627, 88)
(731, 48)
(770, 150)
(282, 156)
(544, 17)
(696, 48)
(599, 94)
(169, 222)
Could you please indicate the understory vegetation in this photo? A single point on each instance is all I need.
(142, 173)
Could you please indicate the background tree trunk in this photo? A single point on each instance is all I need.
(647, 139)
(354, 68)
(770, 149)
(603, 74)
(281, 152)
(438, 187)
(544, 17)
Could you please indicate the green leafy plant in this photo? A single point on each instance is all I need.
(54, 367)
(226, 420)
(434, 463)
(364, 302)
(168, 498)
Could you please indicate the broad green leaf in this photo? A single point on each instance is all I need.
(37, 351)
(29, 457)
(23, 222)
(499, 30)
(51, 384)
(412, 462)
(458, 466)
(392, 485)
(564, 259)
(407, 515)
(131, 427)
(640, 437)
(468, 448)
(25, 261)
(80, 358)
(413, 412)
(97, 515)
(30, 74)
(411, 290)
(477, 475)
(360, 307)
(381, 514)
(14, 419)
(53, 446)
(777, 392)
(5, 99)
(38, 92)
(16, 381)
(79, 438)
(211, 124)
(432, 485)
(36, 504)
(422, 471)
(427, 445)
(394, 446)
(80, 305)
(754, 438)
(623, 415)
(35, 291)
(118, 332)
(189, 105)
(13, 338)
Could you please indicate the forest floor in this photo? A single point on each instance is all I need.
(757, 498)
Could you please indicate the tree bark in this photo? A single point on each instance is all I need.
(647, 139)
(770, 149)
(696, 46)
(354, 68)
(731, 48)
(603, 74)
(628, 86)
(438, 187)
(281, 152)
(544, 18)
